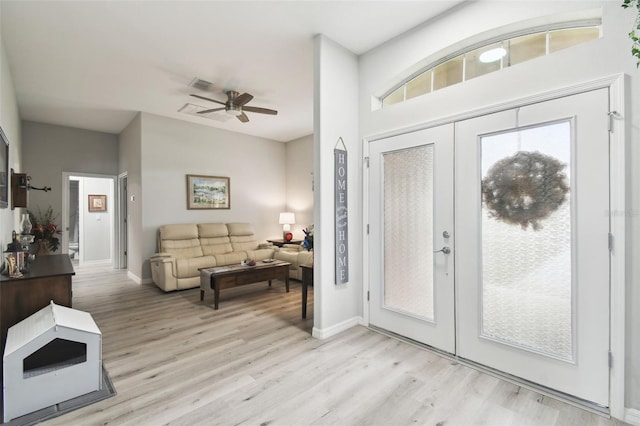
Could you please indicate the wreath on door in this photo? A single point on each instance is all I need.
(525, 188)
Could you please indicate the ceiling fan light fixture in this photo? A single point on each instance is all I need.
(234, 110)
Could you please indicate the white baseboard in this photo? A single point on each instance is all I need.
(632, 416)
(323, 333)
(137, 279)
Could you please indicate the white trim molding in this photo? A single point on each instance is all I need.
(133, 277)
(324, 333)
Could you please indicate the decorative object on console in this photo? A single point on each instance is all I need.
(208, 192)
(97, 203)
(308, 238)
(25, 224)
(286, 220)
(45, 230)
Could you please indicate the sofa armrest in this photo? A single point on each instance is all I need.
(161, 257)
(265, 246)
(163, 271)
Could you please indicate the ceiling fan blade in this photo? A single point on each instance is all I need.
(242, 99)
(243, 117)
(206, 111)
(260, 110)
(207, 99)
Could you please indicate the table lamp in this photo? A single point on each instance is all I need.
(286, 220)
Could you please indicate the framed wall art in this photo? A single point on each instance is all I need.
(208, 192)
(97, 203)
(4, 170)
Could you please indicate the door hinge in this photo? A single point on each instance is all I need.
(610, 241)
(612, 116)
(610, 360)
(368, 300)
(366, 162)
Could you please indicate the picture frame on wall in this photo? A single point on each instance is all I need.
(4, 170)
(208, 192)
(97, 203)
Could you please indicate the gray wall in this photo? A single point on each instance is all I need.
(10, 123)
(171, 149)
(48, 150)
(299, 168)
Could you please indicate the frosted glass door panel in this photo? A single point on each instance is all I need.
(527, 239)
(408, 231)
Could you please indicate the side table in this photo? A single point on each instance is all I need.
(281, 242)
(307, 280)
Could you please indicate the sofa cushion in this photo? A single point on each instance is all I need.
(240, 229)
(186, 268)
(230, 258)
(177, 232)
(214, 239)
(242, 237)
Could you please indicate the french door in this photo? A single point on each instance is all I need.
(411, 235)
(529, 237)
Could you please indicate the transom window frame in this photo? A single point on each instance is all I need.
(500, 39)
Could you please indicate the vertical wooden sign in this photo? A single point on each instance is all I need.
(341, 214)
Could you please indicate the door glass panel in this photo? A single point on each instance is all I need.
(408, 231)
(527, 239)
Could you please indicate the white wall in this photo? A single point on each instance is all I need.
(50, 150)
(10, 123)
(97, 227)
(299, 193)
(610, 55)
(171, 149)
(335, 115)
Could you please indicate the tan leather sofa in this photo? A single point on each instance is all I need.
(185, 248)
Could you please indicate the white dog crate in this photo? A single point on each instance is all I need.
(51, 357)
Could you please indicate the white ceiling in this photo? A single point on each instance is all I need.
(95, 64)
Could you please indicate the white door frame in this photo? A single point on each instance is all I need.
(121, 240)
(617, 167)
(65, 213)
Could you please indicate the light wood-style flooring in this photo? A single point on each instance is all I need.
(174, 360)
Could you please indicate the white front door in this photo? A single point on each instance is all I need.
(530, 241)
(532, 232)
(411, 236)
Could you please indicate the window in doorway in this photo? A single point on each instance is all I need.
(490, 56)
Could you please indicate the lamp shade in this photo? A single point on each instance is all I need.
(287, 218)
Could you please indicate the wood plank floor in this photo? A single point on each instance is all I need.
(174, 360)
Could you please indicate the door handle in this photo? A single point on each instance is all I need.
(445, 250)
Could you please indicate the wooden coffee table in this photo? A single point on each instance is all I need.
(222, 277)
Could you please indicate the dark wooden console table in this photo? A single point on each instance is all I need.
(307, 280)
(49, 278)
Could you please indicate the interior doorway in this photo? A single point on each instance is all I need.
(89, 209)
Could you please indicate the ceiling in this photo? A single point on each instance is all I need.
(95, 64)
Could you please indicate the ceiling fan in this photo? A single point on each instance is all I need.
(236, 105)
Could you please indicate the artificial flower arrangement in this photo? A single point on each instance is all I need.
(45, 229)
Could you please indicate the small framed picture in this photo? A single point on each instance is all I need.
(208, 192)
(97, 203)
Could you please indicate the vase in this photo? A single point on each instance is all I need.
(25, 224)
(43, 248)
